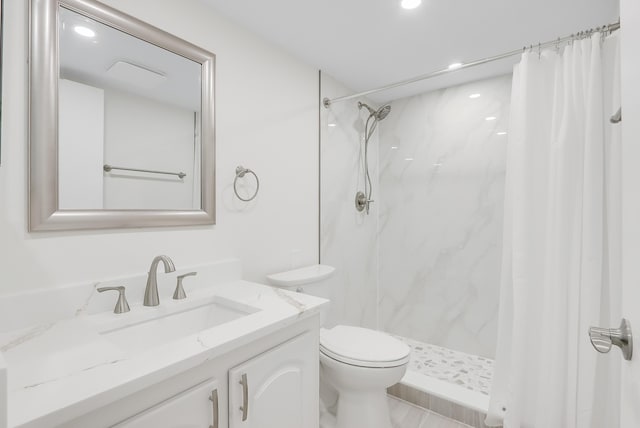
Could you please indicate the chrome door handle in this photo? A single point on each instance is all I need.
(603, 339)
(214, 402)
(245, 397)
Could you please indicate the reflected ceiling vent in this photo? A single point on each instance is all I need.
(135, 75)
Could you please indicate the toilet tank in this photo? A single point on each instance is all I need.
(309, 280)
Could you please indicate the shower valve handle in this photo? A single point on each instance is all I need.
(361, 201)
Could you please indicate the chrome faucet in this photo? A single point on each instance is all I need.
(151, 292)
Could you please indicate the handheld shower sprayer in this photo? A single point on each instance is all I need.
(363, 199)
(379, 114)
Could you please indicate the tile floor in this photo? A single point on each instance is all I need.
(403, 415)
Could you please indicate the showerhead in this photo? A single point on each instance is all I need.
(379, 114)
(383, 112)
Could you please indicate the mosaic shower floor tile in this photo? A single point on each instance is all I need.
(469, 371)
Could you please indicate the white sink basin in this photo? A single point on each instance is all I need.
(168, 327)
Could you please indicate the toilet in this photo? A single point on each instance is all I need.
(359, 364)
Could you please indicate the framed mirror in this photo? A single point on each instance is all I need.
(121, 122)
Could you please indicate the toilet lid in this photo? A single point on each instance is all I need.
(363, 347)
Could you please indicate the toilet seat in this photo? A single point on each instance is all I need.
(363, 347)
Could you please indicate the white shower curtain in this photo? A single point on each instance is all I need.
(561, 241)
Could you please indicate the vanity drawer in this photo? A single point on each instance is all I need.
(196, 407)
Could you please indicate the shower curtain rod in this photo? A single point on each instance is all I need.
(606, 28)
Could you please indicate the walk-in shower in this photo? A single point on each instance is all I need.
(363, 199)
(426, 265)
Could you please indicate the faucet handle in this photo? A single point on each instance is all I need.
(122, 305)
(179, 294)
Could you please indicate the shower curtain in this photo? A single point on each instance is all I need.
(561, 241)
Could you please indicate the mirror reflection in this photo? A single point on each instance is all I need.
(129, 121)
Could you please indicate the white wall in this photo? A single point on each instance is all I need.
(148, 134)
(266, 117)
(348, 237)
(442, 170)
(80, 145)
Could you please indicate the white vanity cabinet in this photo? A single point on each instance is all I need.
(279, 389)
(196, 407)
(276, 388)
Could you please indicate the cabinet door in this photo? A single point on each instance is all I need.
(196, 407)
(277, 389)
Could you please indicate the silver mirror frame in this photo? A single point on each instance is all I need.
(44, 212)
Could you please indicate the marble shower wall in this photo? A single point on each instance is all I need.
(442, 169)
(348, 239)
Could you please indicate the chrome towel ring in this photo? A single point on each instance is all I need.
(240, 173)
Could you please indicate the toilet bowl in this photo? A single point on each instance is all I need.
(358, 363)
(361, 364)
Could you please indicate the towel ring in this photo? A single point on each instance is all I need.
(240, 173)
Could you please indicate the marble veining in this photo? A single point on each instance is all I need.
(442, 169)
(472, 372)
(73, 373)
(30, 334)
(288, 298)
(85, 306)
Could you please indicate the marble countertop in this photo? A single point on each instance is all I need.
(63, 369)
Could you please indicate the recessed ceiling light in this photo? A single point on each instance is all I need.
(501, 133)
(394, 147)
(455, 65)
(473, 96)
(490, 118)
(408, 159)
(84, 31)
(332, 125)
(410, 4)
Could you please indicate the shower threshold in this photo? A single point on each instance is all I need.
(452, 383)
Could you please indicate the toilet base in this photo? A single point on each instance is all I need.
(362, 392)
(363, 410)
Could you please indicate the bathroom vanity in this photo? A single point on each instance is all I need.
(232, 354)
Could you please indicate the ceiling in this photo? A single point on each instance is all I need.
(112, 59)
(366, 44)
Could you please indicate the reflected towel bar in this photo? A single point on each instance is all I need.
(108, 168)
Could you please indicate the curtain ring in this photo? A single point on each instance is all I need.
(240, 173)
